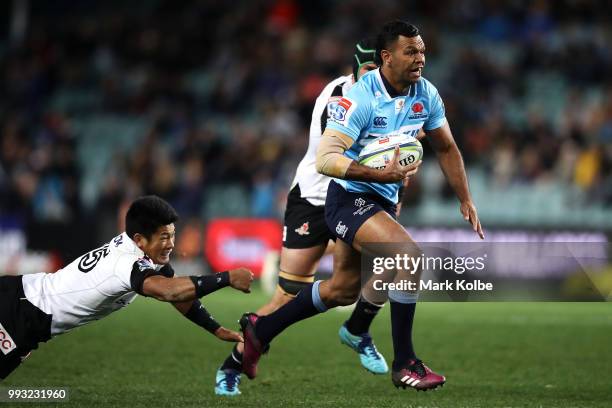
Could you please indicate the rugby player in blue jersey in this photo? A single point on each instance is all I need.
(408, 102)
(306, 237)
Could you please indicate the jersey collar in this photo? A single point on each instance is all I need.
(389, 91)
(129, 246)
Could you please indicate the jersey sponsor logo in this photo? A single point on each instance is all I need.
(380, 122)
(303, 230)
(341, 229)
(345, 103)
(118, 240)
(417, 107)
(91, 259)
(6, 341)
(342, 108)
(332, 104)
(144, 264)
(399, 105)
(125, 300)
(360, 202)
(409, 130)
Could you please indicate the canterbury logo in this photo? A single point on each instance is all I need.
(380, 122)
(408, 380)
(6, 341)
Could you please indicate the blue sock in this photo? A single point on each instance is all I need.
(402, 316)
(306, 304)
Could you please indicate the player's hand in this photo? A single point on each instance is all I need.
(468, 210)
(228, 335)
(241, 279)
(395, 172)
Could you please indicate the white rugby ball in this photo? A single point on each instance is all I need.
(379, 153)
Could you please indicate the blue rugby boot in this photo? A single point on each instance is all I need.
(227, 382)
(370, 358)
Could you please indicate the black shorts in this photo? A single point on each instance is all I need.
(23, 325)
(305, 225)
(345, 212)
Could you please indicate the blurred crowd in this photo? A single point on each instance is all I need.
(227, 89)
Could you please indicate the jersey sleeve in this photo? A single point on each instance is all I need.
(123, 270)
(437, 115)
(352, 112)
(330, 106)
(144, 268)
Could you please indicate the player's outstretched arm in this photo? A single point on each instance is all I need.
(332, 162)
(197, 313)
(451, 163)
(194, 287)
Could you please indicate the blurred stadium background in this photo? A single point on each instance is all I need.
(208, 105)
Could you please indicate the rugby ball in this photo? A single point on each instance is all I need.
(380, 151)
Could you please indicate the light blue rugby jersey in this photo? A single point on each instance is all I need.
(368, 112)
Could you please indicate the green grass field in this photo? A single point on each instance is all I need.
(493, 354)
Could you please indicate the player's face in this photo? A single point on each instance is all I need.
(160, 246)
(406, 59)
(365, 68)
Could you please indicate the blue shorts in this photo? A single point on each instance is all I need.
(345, 212)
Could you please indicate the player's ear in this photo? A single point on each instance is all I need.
(385, 55)
(140, 240)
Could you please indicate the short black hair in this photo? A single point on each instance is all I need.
(389, 34)
(365, 50)
(146, 214)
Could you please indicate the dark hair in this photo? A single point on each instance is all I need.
(389, 34)
(365, 50)
(146, 214)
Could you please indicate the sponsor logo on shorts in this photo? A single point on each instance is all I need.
(303, 230)
(284, 233)
(341, 229)
(364, 209)
(360, 202)
(6, 341)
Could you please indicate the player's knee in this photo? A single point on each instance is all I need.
(291, 284)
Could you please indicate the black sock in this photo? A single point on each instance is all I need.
(362, 316)
(233, 361)
(402, 315)
(306, 304)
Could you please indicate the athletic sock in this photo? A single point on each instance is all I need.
(233, 361)
(402, 316)
(362, 316)
(306, 304)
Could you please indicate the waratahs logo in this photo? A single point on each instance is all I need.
(418, 111)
